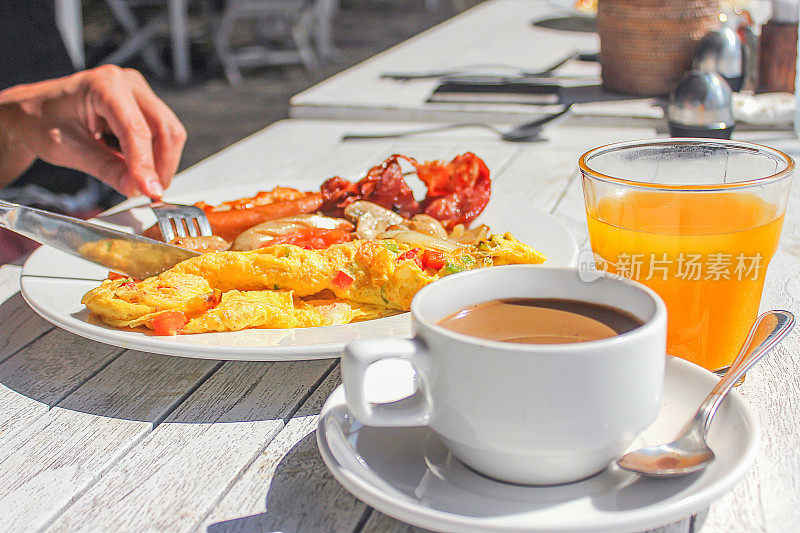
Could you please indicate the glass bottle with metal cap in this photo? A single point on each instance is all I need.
(701, 106)
(720, 51)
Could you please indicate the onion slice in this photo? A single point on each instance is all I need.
(414, 238)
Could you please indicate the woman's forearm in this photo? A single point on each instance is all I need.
(15, 157)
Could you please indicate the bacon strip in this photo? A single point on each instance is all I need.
(458, 191)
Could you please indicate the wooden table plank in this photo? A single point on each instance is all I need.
(265, 497)
(177, 474)
(42, 374)
(53, 460)
(20, 325)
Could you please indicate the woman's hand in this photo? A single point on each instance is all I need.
(76, 121)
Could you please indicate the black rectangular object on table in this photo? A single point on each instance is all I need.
(496, 91)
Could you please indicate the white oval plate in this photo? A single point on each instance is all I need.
(407, 473)
(54, 282)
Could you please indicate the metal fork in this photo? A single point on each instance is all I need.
(180, 220)
(526, 132)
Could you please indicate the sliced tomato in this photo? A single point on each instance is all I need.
(312, 238)
(433, 259)
(169, 323)
(116, 275)
(411, 254)
(342, 279)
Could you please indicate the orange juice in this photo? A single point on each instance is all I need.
(704, 253)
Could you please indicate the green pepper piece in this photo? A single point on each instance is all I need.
(451, 268)
(392, 247)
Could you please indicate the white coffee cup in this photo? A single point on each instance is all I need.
(524, 413)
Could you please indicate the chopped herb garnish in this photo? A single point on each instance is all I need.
(392, 247)
(451, 268)
(467, 259)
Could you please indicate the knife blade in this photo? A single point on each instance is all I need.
(133, 255)
(473, 70)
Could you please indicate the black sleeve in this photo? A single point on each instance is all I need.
(33, 50)
(31, 43)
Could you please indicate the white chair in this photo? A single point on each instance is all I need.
(138, 38)
(276, 20)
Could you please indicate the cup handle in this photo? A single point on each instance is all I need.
(415, 410)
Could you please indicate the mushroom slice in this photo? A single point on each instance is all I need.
(357, 209)
(371, 219)
(428, 225)
(369, 227)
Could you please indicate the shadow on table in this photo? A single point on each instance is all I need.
(302, 496)
(60, 369)
(584, 94)
(576, 23)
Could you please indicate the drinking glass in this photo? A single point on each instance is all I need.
(696, 220)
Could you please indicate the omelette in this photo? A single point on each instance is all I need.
(286, 286)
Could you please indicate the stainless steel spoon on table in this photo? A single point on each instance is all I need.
(528, 131)
(689, 452)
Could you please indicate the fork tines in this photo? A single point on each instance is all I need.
(181, 221)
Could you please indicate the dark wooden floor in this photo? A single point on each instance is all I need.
(216, 114)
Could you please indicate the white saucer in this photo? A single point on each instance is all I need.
(407, 472)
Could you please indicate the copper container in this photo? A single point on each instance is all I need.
(647, 45)
(777, 57)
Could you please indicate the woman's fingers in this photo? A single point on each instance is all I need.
(95, 158)
(169, 135)
(111, 97)
(68, 121)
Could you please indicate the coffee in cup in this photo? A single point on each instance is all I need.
(523, 412)
(540, 321)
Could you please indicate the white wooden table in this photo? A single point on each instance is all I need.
(494, 32)
(99, 438)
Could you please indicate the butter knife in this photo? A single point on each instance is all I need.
(133, 255)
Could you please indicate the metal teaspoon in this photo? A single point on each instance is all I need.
(689, 452)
